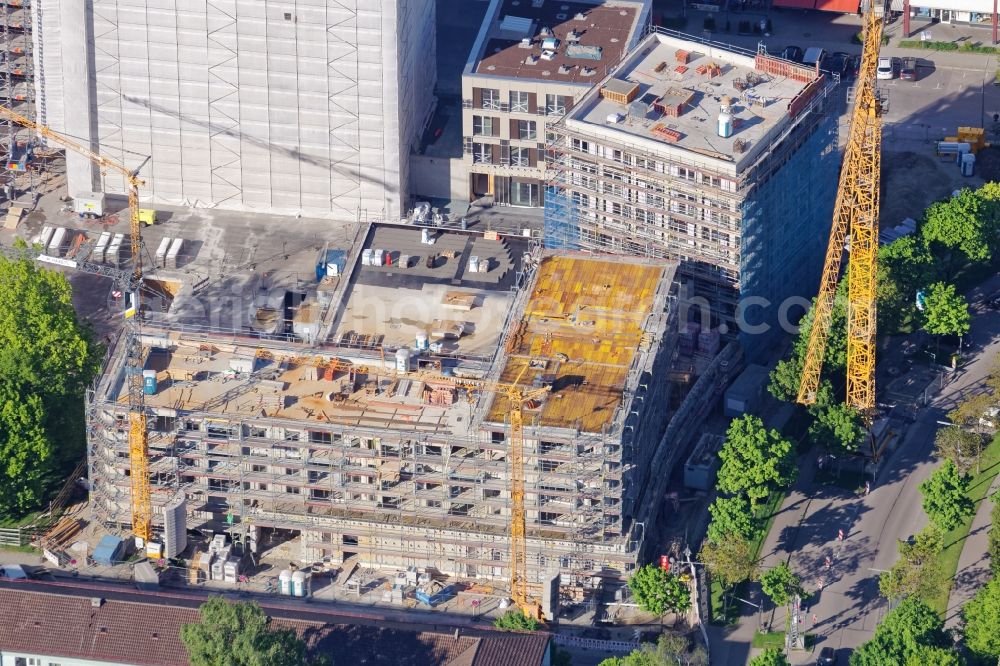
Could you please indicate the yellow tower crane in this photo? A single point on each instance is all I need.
(142, 513)
(517, 396)
(855, 217)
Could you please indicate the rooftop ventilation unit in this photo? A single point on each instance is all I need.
(584, 52)
(548, 55)
(565, 69)
(550, 43)
(573, 36)
(545, 31)
(516, 27)
(525, 43)
(531, 60)
(587, 71)
(580, 17)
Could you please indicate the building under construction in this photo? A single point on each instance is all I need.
(723, 159)
(386, 438)
(17, 88)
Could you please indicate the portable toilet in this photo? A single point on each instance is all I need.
(300, 584)
(402, 360)
(149, 382)
(285, 583)
(968, 164)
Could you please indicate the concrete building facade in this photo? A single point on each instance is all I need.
(266, 105)
(391, 448)
(529, 64)
(723, 159)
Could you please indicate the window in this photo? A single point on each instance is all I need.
(483, 125)
(526, 130)
(482, 153)
(582, 146)
(519, 156)
(491, 99)
(555, 104)
(519, 101)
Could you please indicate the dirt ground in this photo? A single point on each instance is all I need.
(912, 181)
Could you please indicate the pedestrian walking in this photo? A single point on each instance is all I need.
(819, 584)
(868, 487)
(814, 618)
(829, 561)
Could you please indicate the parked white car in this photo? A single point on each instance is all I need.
(885, 70)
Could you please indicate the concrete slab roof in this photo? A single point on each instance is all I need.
(589, 38)
(683, 86)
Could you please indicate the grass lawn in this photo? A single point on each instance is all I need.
(776, 639)
(955, 539)
(765, 514)
(11, 523)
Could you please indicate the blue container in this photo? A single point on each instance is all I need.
(149, 382)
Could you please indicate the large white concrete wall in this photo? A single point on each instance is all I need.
(285, 106)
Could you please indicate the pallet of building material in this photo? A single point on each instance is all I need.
(64, 532)
(14, 214)
(458, 300)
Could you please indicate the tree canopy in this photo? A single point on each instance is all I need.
(904, 632)
(731, 560)
(240, 634)
(904, 266)
(515, 620)
(982, 621)
(780, 584)
(959, 446)
(946, 497)
(47, 359)
(755, 460)
(916, 572)
(657, 591)
(961, 223)
(670, 650)
(770, 657)
(946, 312)
(837, 427)
(731, 515)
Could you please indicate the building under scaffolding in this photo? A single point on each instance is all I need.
(17, 83)
(720, 158)
(385, 444)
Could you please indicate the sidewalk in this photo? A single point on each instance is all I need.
(973, 564)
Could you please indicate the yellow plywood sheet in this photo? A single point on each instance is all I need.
(583, 323)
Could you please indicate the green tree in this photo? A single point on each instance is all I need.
(836, 427)
(972, 408)
(961, 447)
(946, 312)
(240, 634)
(903, 632)
(903, 267)
(982, 621)
(946, 497)
(993, 536)
(731, 515)
(515, 620)
(755, 460)
(780, 584)
(917, 571)
(731, 561)
(657, 591)
(669, 650)
(770, 657)
(47, 359)
(959, 224)
(934, 656)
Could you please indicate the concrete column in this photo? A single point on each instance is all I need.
(79, 107)
(906, 19)
(994, 21)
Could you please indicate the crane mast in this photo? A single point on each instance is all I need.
(142, 514)
(855, 218)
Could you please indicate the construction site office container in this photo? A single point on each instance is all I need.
(113, 255)
(161, 251)
(174, 252)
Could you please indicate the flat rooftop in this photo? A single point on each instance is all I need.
(592, 36)
(669, 93)
(456, 290)
(581, 330)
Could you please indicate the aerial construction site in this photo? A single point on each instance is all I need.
(386, 439)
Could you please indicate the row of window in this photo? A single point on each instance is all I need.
(525, 130)
(519, 102)
(491, 153)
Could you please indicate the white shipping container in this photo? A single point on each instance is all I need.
(56, 244)
(161, 252)
(174, 252)
(101, 247)
(44, 237)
